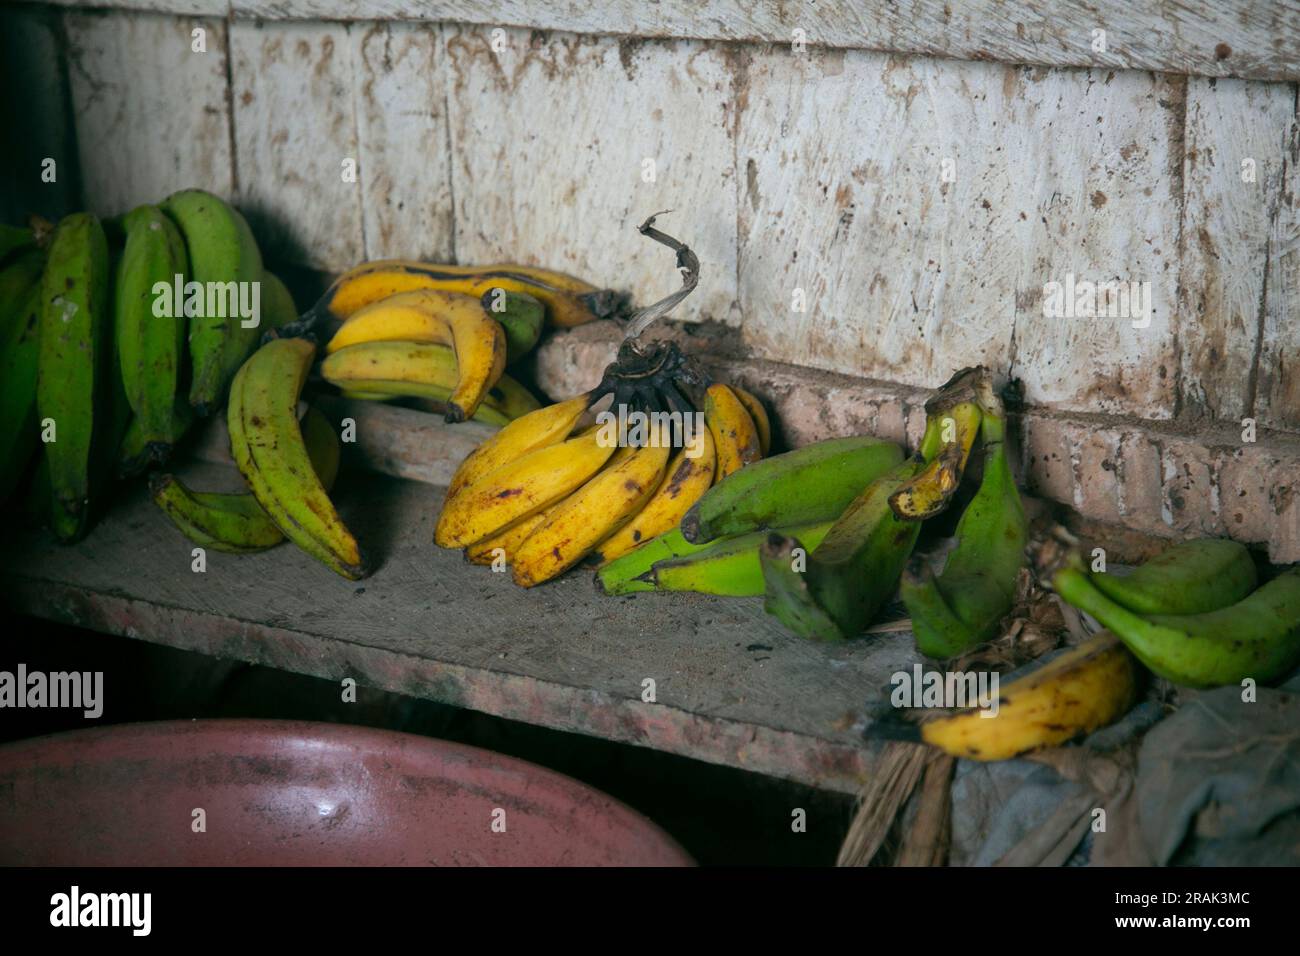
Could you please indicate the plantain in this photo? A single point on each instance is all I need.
(20, 314)
(1188, 578)
(734, 433)
(952, 423)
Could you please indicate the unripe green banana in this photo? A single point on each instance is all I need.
(850, 576)
(520, 315)
(221, 250)
(235, 522)
(14, 239)
(74, 320)
(136, 451)
(20, 311)
(278, 308)
(963, 606)
(1189, 578)
(1257, 638)
(150, 347)
(728, 567)
(629, 573)
(267, 445)
(805, 486)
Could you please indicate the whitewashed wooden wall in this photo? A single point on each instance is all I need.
(918, 203)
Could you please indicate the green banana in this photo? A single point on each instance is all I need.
(150, 346)
(278, 308)
(805, 486)
(20, 311)
(221, 250)
(74, 312)
(520, 315)
(629, 573)
(236, 523)
(963, 606)
(729, 567)
(850, 576)
(1258, 637)
(1188, 578)
(14, 238)
(137, 450)
(267, 445)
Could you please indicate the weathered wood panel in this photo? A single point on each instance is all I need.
(554, 139)
(1278, 393)
(1246, 38)
(151, 106)
(1232, 171)
(402, 130)
(922, 205)
(295, 128)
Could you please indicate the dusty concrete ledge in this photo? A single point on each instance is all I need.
(1163, 478)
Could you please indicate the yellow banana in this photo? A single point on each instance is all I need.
(519, 489)
(267, 445)
(685, 481)
(576, 525)
(484, 552)
(538, 429)
(734, 432)
(759, 414)
(953, 417)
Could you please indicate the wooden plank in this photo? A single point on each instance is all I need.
(295, 126)
(1246, 38)
(402, 129)
(152, 112)
(731, 686)
(923, 224)
(1278, 392)
(1232, 172)
(551, 138)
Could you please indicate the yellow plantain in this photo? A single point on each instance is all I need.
(734, 432)
(759, 414)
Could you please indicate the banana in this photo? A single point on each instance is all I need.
(575, 526)
(568, 301)
(519, 489)
(417, 369)
(851, 574)
(759, 415)
(74, 316)
(950, 432)
(267, 445)
(686, 479)
(630, 573)
(236, 523)
(538, 429)
(522, 318)
(20, 315)
(278, 309)
(14, 239)
(221, 250)
(1076, 692)
(734, 432)
(728, 568)
(149, 346)
(1258, 637)
(484, 552)
(806, 486)
(963, 606)
(1188, 578)
(137, 450)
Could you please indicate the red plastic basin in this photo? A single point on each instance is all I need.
(285, 793)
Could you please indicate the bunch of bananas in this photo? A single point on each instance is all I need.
(116, 336)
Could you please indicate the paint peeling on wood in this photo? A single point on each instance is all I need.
(1278, 393)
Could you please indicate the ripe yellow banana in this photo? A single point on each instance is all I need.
(267, 445)
(685, 481)
(734, 432)
(579, 522)
(538, 429)
(568, 301)
(1075, 693)
(759, 414)
(518, 489)
(950, 431)
(484, 552)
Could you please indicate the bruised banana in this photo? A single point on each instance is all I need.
(833, 592)
(519, 488)
(267, 445)
(687, 478)
(383, 370)
(1078, 691)
(20, 317)
(809, 485)
(442, 318)
(568, 301)
(1257, 638)
(575, 526)
(528, 433)
(734, 432)
(222, 250)
(150, 348)
(1188, 578)
(759, 415)
(952, 422)
(235, 522)
(963, 605)
(74, 321)
(728, 568)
